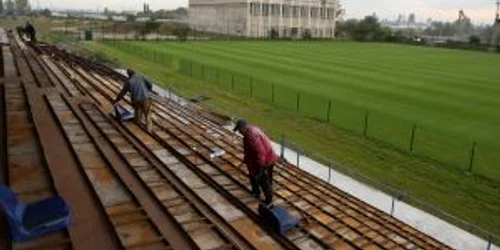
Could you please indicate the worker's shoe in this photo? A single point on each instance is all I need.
(256, 195)
(269, 205)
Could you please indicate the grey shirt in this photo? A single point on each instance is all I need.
(139, 88)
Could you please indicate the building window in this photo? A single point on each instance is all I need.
(257, 11)
(303, 11)
(331, 12)
(287, 10)
(314, 12)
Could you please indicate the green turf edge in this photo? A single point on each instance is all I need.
(467, 197)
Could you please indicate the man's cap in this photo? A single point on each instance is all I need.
(240, 124)
(130, 72)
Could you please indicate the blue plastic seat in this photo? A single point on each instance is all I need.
(277, 218)
(29, 221)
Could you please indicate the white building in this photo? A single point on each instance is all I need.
(261, 18)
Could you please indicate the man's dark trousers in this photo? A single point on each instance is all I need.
(263, 179)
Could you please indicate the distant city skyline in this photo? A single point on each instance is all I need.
(480, 11)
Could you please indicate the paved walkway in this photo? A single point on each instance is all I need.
(425, 222)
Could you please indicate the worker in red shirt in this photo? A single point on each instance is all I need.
(259, 158)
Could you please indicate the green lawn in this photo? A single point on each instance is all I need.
(450, 95)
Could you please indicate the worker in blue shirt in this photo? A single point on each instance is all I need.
(140, 95)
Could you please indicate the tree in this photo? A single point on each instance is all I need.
(22, 6)
(9, 7)
(130, 18)
(181, 33)
(1, 7)
(475, 40)
(149, 27)
(46, 13)
(367, 29)
(347, 28)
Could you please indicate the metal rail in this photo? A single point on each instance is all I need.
(340, 199)
(340, 218)
(123, 210)
(183, 202)
(98, 96)
(310, 182)
(25, 167)
(299, 237)
(197, 228)
(319, 201)
(194, 218)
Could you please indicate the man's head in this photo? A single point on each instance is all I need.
(241, 126)
(130, 73)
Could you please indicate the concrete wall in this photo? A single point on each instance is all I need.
(256, 18)
(227, 17)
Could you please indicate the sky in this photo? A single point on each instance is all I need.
(480, 11)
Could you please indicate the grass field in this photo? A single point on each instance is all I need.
(401, 85)
(450, 96)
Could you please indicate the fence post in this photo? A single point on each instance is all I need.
(298, 101)
(251, 88)
(393, 205)
(217, 75)
(330, 172)
(412, 139)
(203, 71)
(328, 111)
(232, 82)
(472, 155)
(272, 93)
(365, 130)
(191, 73)
(298, 158)
(282, 149)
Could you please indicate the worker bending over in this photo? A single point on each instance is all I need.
(259, 158)
(30, 31)
(140, 94)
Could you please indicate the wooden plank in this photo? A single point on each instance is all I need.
(9, 68)
(89, 229)
(3, 37)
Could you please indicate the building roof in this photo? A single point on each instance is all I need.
(134, 189)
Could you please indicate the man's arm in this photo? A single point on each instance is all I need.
(249, 156)
(149, 85)
(122, 93)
